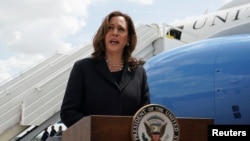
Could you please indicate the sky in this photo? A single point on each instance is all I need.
(33, 30)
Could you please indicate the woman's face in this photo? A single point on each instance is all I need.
(117, 36)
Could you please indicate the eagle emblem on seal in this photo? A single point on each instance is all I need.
(155, 127)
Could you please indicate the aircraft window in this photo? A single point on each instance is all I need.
(175, 33)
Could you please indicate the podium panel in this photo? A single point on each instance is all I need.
(118, 128)
(194, 129)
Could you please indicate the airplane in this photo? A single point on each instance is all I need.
(204, 70)
(46, 81)
(204, 79)
(230, 19)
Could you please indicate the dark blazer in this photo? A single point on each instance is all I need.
(92, 90)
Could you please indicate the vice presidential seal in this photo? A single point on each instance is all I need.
(154, 122)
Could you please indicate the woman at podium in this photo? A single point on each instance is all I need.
(111, 81)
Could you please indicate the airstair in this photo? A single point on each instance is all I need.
(33, 98)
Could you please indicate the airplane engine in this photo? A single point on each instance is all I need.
(204, 79)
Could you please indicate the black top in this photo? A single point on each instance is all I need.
(93, 90)
(117, 75)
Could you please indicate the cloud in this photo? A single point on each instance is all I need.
(17, 62)
(36, 29)
(143, 1)
(32, 27)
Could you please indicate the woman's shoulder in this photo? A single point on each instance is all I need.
(85, 61)
(140, 68)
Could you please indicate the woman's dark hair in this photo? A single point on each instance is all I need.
(99, 40)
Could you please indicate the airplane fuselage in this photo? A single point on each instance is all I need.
(225, 22)
(206, 79)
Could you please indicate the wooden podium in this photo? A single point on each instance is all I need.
(117, 128)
